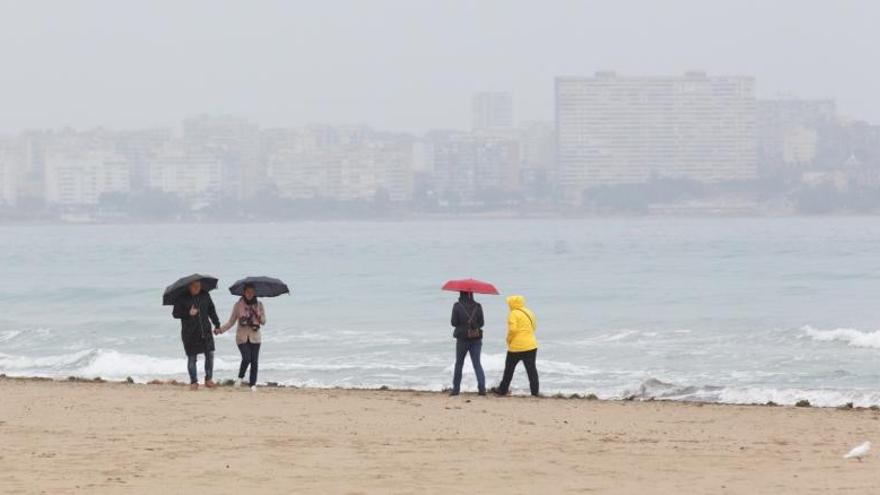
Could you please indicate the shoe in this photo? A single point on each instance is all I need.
(481, 393)
(210, 384)
(194, 386)
(253, 388)
(237, 383)
(453, 394)
(497, 392)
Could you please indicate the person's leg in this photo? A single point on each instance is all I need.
(529, 359)
(191, 368)
(510, 363)
(255, 362)
(245, 359)
(475, 350)
(209, 366)
(461, 350)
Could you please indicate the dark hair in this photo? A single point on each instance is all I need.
(246, 287)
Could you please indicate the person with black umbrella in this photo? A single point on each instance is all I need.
(250, 316)
(195, 310)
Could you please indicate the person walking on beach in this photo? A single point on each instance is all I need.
(467, 319)
(521, 345)
(196, 312)
(249, 314)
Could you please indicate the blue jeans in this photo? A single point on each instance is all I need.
(191, 366)
(463, 347)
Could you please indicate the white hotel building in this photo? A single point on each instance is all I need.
(79, 177)
(619, 129)
(8, 177)
(492, 111)
(193, 175)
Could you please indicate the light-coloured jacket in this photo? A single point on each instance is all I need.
(244, 333)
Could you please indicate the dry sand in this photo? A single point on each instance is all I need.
(58, 437)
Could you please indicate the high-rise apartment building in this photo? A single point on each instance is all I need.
(194, 175)
(236, 143)
(794, 134)
(80, 177)
(537, 144)
(615, 129)
(139, 147)
(492, 111)
(9, 173)
(351, 163)
(471, 167)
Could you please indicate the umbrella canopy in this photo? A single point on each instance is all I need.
(265, 286)
(179, 288)
(471, 285)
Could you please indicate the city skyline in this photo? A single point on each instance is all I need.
(674, 143)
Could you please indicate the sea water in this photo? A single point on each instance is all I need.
(727, 310)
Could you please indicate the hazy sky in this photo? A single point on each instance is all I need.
(407, 64)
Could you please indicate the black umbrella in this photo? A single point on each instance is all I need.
(179, 288)
(265, 286)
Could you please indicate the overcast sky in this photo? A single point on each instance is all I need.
(407, 64)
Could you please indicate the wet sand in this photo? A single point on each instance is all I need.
(61, 437)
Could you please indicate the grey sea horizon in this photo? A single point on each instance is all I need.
(739, 310)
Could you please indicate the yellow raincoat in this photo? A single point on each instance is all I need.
(520, 326)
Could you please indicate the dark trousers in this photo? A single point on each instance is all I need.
(191, 367)
(250, 355)
(463, 347)
(528, 359)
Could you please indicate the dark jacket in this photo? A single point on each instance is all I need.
(466, 313)
(196, 331)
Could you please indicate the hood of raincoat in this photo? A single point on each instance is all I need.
(520, 326)
(516, 302)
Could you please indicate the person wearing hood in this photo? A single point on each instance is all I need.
(467, 319)
(196, 313)
(521, 345)
(249, 314)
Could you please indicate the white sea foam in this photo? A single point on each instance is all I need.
(30, 334)
(40, 364)
(613, 336)
(300, 366)
(106, 363)
(660, 390)
(557, 376)
(7, 335)
(494, 363)
(850, 336)
(623, 334)
(789, 396)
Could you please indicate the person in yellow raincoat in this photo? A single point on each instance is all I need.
(521, 345)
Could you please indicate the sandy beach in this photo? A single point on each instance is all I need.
(63, 437)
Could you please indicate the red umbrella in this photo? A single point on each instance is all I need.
(470, 285)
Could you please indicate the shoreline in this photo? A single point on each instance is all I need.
(448, 218)
(111, 437)
(589, 397)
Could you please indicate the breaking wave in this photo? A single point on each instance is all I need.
(105, 363)
(849, 336)
(654, 389)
